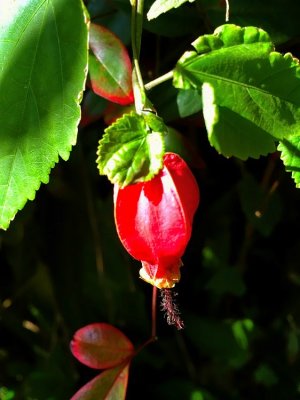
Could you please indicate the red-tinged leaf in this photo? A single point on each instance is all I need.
(101, 346)
(109, 66)
(110, 385)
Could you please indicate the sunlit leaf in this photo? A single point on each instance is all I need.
(43, 62)
(161, 6)
(109, 66)
(110, 385)
(132, 149)
(290, 155)
(250, 93)
(101, 346)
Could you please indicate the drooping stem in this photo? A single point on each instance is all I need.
(153, 311)
(227, 11)
(136, 36)
(159, 80)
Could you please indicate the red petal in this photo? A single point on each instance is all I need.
(154, 220)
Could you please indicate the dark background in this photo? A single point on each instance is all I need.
(62, 266)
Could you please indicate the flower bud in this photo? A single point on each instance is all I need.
(154, 220)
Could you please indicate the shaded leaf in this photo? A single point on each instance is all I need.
(43, 63)
(92, 108)
(109, 66)
(189, 102)
(249, 92)
(263, 210)
(265, 375)
(101, 346)
(131, 149)
(227, 280)
(290, 155)
(161, 6)
(110, 385)
(240, 330)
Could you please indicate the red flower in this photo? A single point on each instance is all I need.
(154, 220)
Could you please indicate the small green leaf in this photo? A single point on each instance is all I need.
(132, 149)
(265, 375)
(241, 329)
(43, 59)
(161, 6)
(250, 93)
(290, 155)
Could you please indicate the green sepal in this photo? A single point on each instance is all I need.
(132, 149)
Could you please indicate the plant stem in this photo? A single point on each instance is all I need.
(136, 36)
(154, 308)
(159, 80)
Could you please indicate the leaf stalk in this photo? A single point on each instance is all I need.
(137, 8)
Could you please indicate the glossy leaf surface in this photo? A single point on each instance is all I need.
(154, 220)
(109, 66)
(250, 93)
(101, 346)
(43, 63)
(132, 149)
(110, 385)
(161, 6)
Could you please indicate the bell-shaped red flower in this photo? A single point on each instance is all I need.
(154, 220)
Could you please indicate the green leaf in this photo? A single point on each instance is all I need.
(250, 93)
(109, 79)
(290, 155)
(132, 149)
(265, 375)
(161, 6)
(43, 59)
(189, 102)
(241, 329)
(110, 385)
(227, 280)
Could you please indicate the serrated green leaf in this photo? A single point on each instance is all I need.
(131, 151)
(250, 93)
(161, 6)
(43, 59)
(290, 155)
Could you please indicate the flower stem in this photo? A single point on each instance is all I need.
(159, 80)
(154, 308)
(136, 36)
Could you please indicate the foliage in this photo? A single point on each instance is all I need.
(229, 105)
